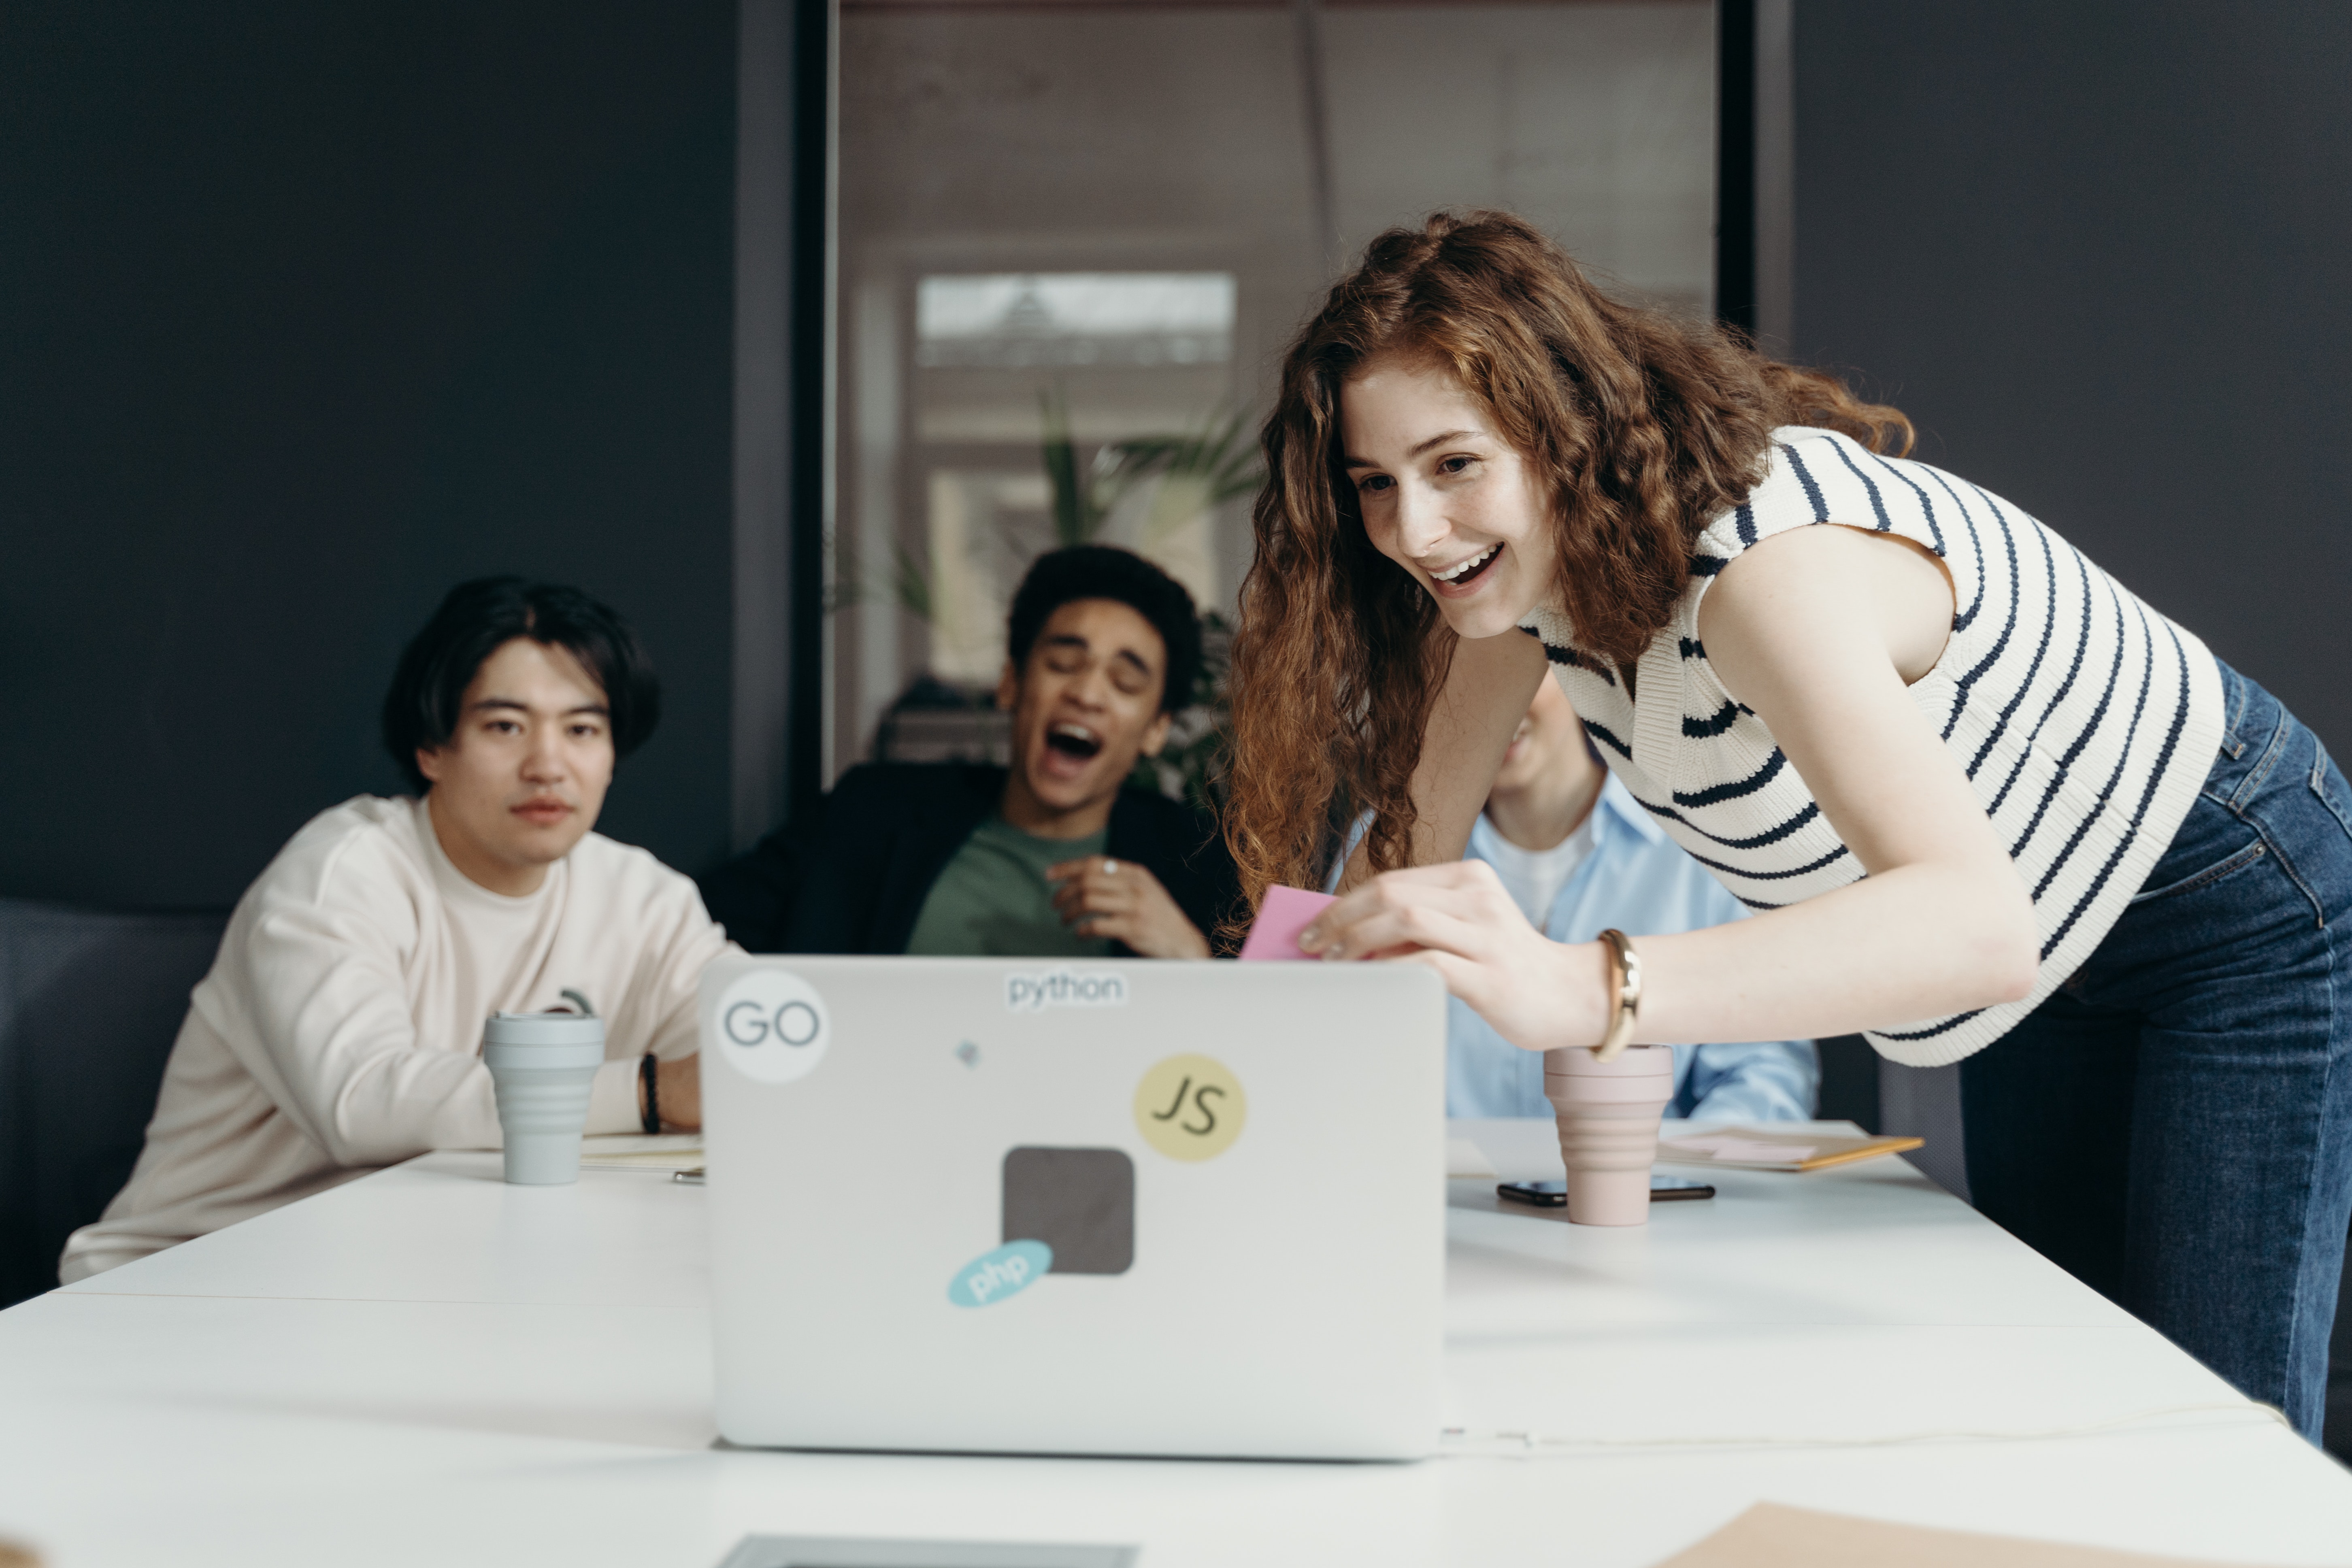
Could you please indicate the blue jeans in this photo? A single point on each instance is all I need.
(2174, 1126)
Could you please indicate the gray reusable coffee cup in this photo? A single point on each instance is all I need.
(544, 1065)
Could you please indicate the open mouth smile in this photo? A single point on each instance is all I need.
(1074, 741)
(1465, 572)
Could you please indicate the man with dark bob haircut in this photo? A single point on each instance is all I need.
(421, 709)
(1051, 857)
(339, 1027)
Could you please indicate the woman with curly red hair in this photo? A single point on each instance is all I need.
(1987, 807)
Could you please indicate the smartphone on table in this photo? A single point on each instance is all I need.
(1554, 1195)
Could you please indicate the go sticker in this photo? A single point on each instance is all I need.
(1007, 1271)
(1190, 1108)
(772, 1026)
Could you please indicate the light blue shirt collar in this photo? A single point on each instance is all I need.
(1614, 815)
(1617, 805)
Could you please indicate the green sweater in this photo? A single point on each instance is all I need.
(992, 901)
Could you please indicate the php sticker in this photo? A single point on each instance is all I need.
(772, 1026)
(1007, 1271)
(1190, 1108)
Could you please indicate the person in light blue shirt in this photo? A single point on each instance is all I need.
(1577, 856)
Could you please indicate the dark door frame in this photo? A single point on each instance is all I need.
(1754, 185)
(783, 371)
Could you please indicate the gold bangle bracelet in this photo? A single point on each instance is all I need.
(1625, 995)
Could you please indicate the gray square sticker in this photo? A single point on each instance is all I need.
(1079, 1202)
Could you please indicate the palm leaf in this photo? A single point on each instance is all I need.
(1074, 518)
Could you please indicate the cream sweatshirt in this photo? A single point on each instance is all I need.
(340, 1029)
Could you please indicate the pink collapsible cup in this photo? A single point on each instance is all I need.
(1607, 1114)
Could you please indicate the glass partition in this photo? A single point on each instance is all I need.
(1073, 237)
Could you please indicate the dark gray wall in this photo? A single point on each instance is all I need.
(2102, 253)
(308, 311)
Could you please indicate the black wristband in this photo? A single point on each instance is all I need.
(649, 1077)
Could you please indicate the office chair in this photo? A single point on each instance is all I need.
(1924, 1102)
(90, 1003)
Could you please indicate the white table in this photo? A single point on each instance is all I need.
(428, 1366)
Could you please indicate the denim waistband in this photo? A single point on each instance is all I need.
(2238, 696)
(2257, 732)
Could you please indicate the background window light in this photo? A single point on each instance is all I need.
(1013, 320)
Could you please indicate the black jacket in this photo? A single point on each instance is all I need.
(854, 878)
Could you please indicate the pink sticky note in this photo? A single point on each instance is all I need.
(1285, 912)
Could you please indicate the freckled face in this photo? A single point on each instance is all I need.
(1446, 498)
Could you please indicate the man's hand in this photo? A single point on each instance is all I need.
(678, 1085)
(1101, 897)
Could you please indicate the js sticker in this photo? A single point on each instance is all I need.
(1190, 1108)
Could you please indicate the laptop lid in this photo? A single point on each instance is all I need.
(1114, 1207)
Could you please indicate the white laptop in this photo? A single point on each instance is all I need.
(1076, 1207)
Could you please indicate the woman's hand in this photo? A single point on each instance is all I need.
(1539, 994)
(1101, 897)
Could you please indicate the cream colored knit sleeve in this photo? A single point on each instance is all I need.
(329, 1027)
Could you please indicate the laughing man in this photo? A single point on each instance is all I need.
(1052, 857)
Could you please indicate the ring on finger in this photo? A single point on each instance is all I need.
(1110, 866)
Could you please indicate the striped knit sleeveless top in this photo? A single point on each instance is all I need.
(2085, 720)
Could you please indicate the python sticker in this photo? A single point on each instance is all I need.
(1065, 988)
(1190, 1108)
(1006, 1271)
(772, 1026)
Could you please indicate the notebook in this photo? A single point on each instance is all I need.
(1760, 1149)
